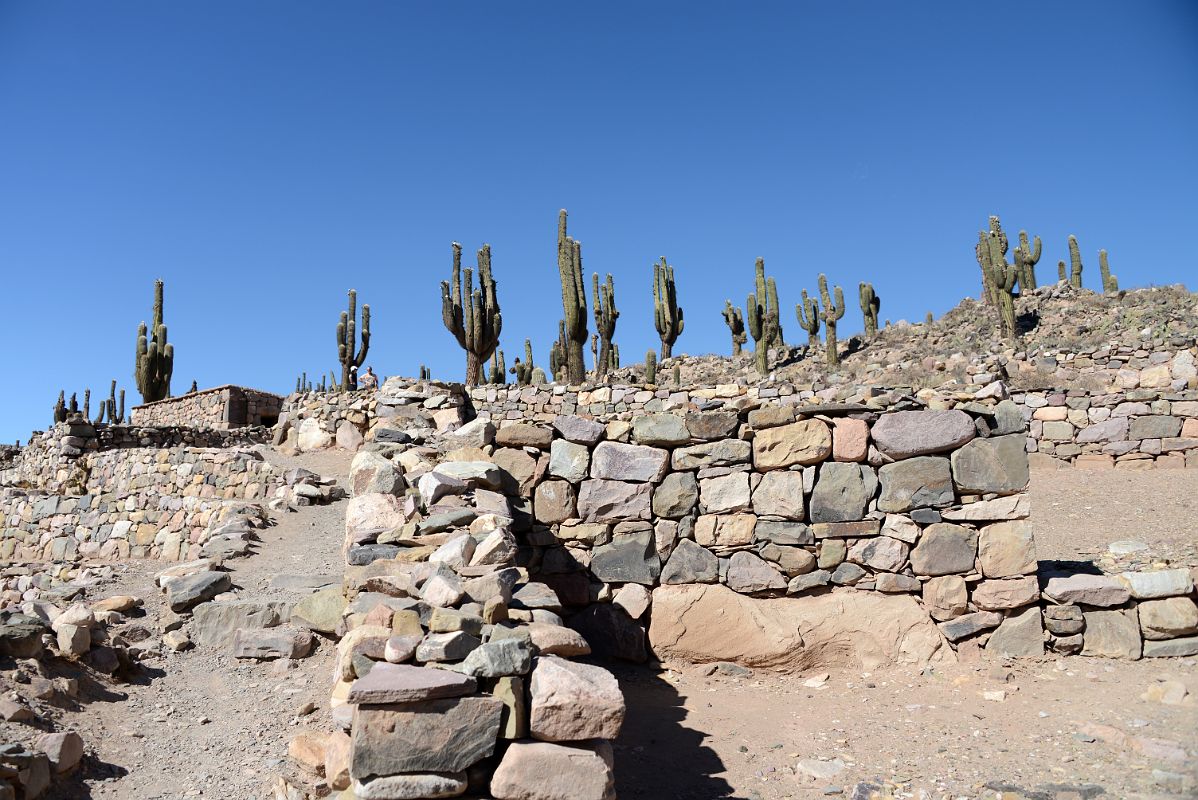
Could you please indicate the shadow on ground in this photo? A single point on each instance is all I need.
(657, 755)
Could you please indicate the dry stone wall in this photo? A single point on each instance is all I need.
(222, 407)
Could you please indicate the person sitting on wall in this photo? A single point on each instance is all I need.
(368, 380)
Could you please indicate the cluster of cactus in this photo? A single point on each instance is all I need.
(1026, 258)
(109, 409)
(830, 314)
(736, 325)
(558, 354)
(667, 316)
(574, 304)
(604, 299)
(525, 371)
(302, 384)
(498, 373)
(472, 315)
(1110, 283)
(650, 367)
(870, 305)
(347, 338)
(808, 314)
(155, 359)
(765, 322)
(425, 373)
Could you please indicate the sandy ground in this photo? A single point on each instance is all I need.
(201, 724)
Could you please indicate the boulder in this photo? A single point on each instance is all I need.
(188, 591)
(841, 493)
(411, 785)
(475, 474)
(629, 462)
(476, 433)
(285, 641)
(368, 515)
(944, 549)
(628, 558)
(711, 425)
(918, 482)
(1112, 634)
(64, 749)
(573, 702)
(1154, 426)
(569, 461)
(880, 553)
(579, 429)
(213, 624)
(967, 625)
(1019, 635)
(946, 597)
(1155, 585)
(724, 453)
(727, 530)
(1101, 591)
(701, 623)
(554, 501)
(313, 436)
(1168, 618)
(905, 434)
(807, 441)
(403, 683)
(548, 771)
(998, 595)
(517, 470)
(446, 735)
(524, 434)
(996, 465)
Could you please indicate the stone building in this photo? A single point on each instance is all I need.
(223, 407)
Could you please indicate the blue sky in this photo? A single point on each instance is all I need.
(264, 157)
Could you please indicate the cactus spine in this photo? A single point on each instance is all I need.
(1026, 258)
(667, 316)
(870, 305)
(829, 315)
(1003, 277)
(574, 301)
(1110, 283)
(736, 324)
(1075, 263)
(347, 337)
(498, 373)
(650, 367)
(606, 314)
(155, 356)
(472, 315)
(761, 312)
(808, 314)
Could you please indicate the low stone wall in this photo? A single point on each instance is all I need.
(221, 407)
(143, 502)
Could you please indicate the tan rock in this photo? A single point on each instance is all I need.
(805, 442)
(574, 702)
(1007, 549)
(546, 771)
(1168, 618)
(702, 623)
(730, 530)
(307, 750)
(995, 595)
(946, 597)
(850, 439)
(121, 602)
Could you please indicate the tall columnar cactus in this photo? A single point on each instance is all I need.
(651, 367)
(762, 314)
(347, 339)
(982, 253)
(558, 354)
(472, 315)
(1062, 275)
(574, 301)
(425, 374)
(736, 325)
(116, 415)
(615, 356)
(1026, 258)
(667, 316)
(1003, 277)
(498, 374)
(604, 299)
(60, 408)
(523, 369)
(808, 314)
(155, 356)
(87, 403)
(870, 305)
(1075, 263)
(1110, 283)
(830, 314)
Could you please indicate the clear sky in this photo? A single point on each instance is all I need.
(264, 157)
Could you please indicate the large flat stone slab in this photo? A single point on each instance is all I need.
(403, 683)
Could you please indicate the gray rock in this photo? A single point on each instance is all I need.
(1154, 427)
(791, 560)
(1110, 430)
(284, 641)
(945, 549)
(748, 573)
(1172, 648)
(614, 501)
(779, 494)
(390, 787)
(496, 659)
(995, 465)
(676, 495)
(967, 625)
(578, 429)
(190, 590)
(370, 472)
(783, 533)
(917, 482)
(725, 494)
(840, 493)
(847, 574)
(446, 735)
(1019, 635)
(711, 425)
(723, 453)
(1101, 591)
(629, 462)
(364, 554)
(1112, 634)
(1064, 620)
(214, 624)
(452, 646)
(691, 563)
(1155, 585)
(569, 461)
(665, 430)
(903, 434)
(554, 501)
(628, 558)
(896, 584)
(812, 580)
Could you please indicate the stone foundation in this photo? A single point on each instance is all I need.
(223, 407)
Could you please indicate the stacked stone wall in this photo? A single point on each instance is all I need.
(222, 407)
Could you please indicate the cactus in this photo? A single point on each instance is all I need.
(347, 338)
(1061, 274)
(498, 370)
(538, 376)
(667, 316)
(1075, 263)
(425, 373)
(557, 352)
(870, 305)
(808, 314)
(1110, 283)
(87, 403)
(736, 324)
(928, 319)
(1026, 258)
(194, 388)
(615, 356)
(155, 359)
(1003, 277)
(677, 375)
(830, 313)
(650, 367)
(116, 415)
(333, 385)
(606, 314)
(472, 315)
(523, 369)
(982, 252)
(761, 312)
(574, 301)
(60, 408)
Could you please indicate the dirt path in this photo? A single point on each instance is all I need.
(204, 724)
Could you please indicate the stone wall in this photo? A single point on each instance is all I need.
(222, 407)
